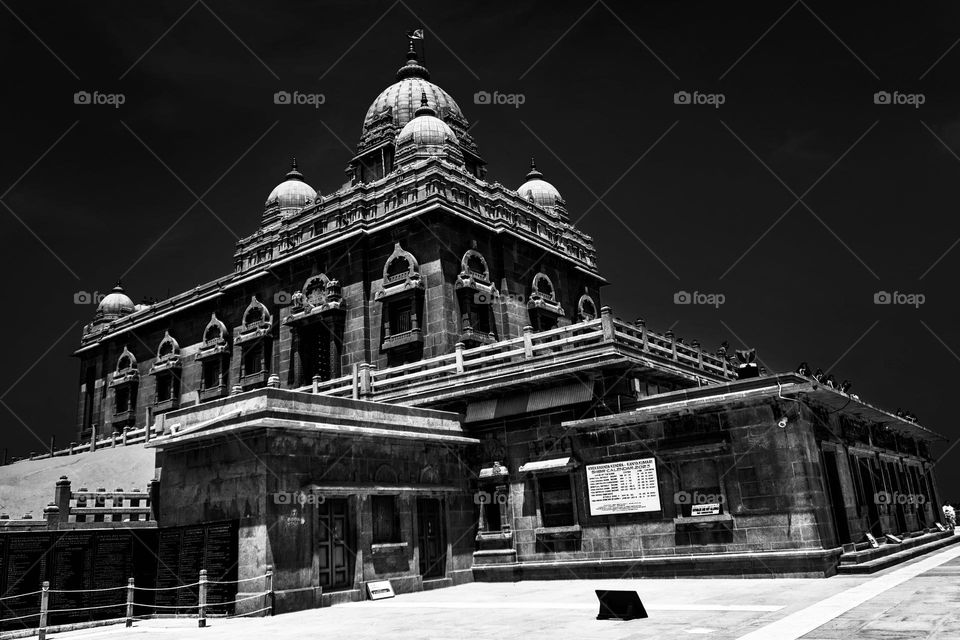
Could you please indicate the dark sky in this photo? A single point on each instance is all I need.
(598, 83)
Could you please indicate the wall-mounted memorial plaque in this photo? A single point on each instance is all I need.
(184, 551)
(706, 509)
(629, 486)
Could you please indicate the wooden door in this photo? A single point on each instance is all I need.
(333, 536)
(432, 541)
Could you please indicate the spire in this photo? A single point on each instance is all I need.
(413, 68)
(294, 174)
(424, 109)
(118, 288)
(534, 174)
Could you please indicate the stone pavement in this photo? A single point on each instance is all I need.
(912, 601)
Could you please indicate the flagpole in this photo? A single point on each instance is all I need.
(423, 46)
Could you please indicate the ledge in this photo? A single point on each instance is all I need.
(547, 532)
(388, 547)
(402, 339)
(721, 517)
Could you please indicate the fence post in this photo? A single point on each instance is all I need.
(673, 344)
(356, 381)
(44, 606)
(271, 598)
(528, 341)
(315, 381)
(129, 602)
(366, 379)
(148, 425)
(93, 436)
(606, 322)
(61, 496)
(459, 355)
(202, 609)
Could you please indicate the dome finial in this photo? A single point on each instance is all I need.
(413, 68)
(534, 174)
(424, 109)
(294, 173)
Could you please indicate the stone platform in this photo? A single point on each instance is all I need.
(914, 600)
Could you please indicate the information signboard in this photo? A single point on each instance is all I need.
(629, 486)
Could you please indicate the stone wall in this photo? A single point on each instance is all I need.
(241, 478)
(436, 240)
(769, 478)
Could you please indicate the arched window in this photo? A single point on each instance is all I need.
(124, 385)
(166, 373)
(543, 306)
(255, 340)
(475, 265)
(317, 322)
(586, 308)
(213, 356)
(126, 363)
(543, 286)
(477, 296)
(401, 294)
(169, 348)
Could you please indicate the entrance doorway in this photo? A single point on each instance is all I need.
(314, 353)
(841, 526)
(335, 552)
(870, 488)
(432, 543)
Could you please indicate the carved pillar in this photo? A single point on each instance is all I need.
(296, 359)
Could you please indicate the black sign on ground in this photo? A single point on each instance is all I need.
(620, 605)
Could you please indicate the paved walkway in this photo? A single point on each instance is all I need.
(917, 600)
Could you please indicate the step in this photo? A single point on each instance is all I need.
(887, 559)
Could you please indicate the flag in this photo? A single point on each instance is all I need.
(416, 34)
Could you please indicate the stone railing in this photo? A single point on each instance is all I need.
(569, 341)
(129, 436)
(90, 509)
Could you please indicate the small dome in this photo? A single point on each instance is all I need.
(292, 193)
(537, 189)
(115, 304)
(426, 128)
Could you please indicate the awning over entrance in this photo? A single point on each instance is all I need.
(553, 464)
(537, 400)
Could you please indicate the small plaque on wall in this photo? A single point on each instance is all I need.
(707, 509)
(380, 589)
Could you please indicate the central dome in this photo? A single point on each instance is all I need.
(403, 97)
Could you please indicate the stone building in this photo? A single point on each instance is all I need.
(413, 378)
